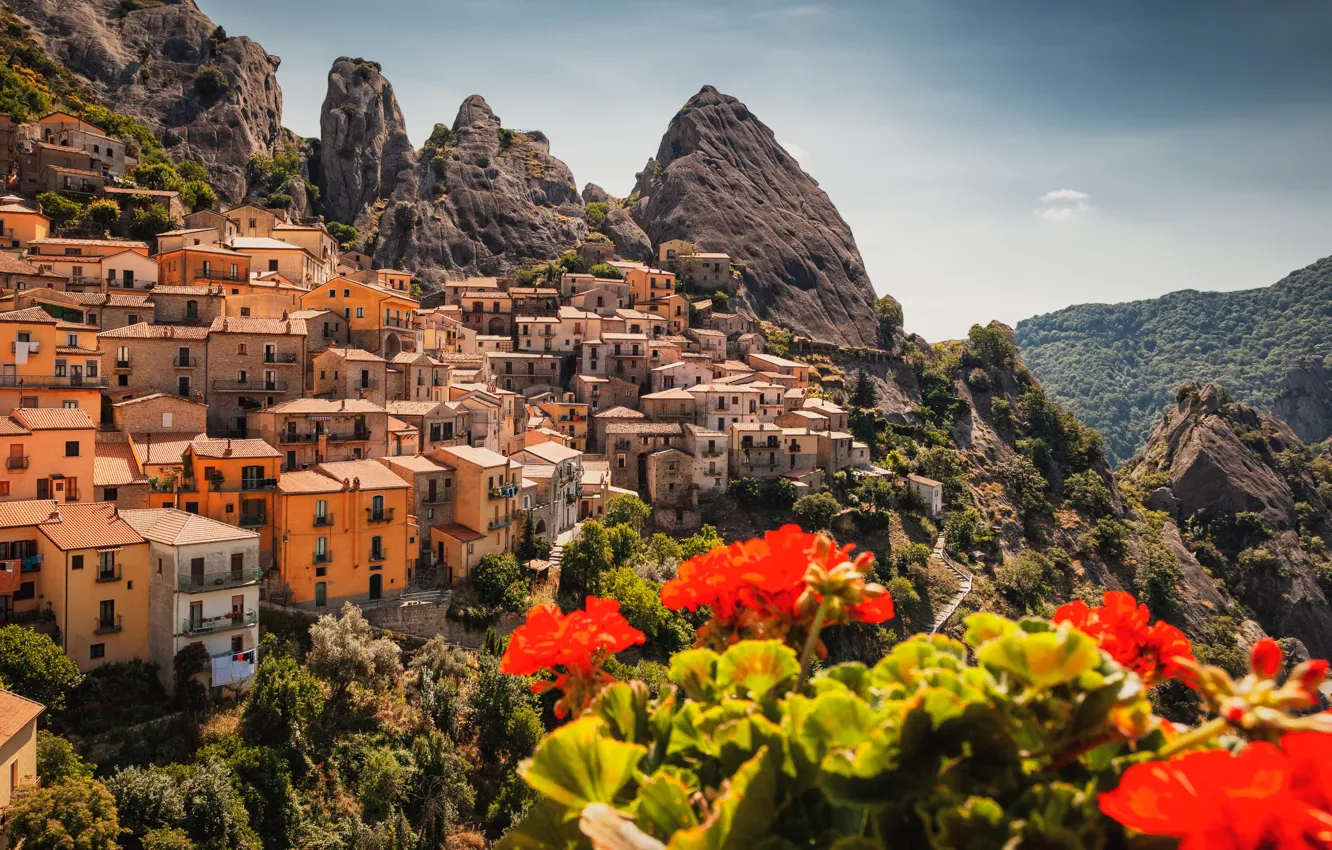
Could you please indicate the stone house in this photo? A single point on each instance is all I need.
(600, 392)
(148, 358)
(611, 416)
(188, 305)
(160, 413)
(562, 485)
(671, 490)
(930, 491)
(432, 501)
(310, 431)
(439, 423)
(708, 448)
(628, 445)
(253, 364)
(418, 377)
(350, 373)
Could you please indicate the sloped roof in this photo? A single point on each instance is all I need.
(89, 526)
(28, 315)
(115, 465)
(257, 325)
(15, 713)
(143, 330)
(620, 412)
(326, 406)
(27, 512)
(244, 449)
(307, 481)
(551, 452)
(373, 474)
(178, 528)
(52, 418)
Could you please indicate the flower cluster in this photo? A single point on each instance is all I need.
(1264, 797)
(575, 645)
(776, 585)
(1257, 704)
(1120, 626)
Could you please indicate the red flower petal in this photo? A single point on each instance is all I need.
(1265, 658)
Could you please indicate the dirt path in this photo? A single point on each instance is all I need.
(962, 592)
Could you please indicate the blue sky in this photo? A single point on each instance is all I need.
(995, 160)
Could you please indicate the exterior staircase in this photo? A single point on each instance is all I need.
(963, 591)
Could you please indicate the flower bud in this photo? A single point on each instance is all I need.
(1310, 675)
(1265, 658)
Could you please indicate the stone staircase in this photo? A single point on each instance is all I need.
(963, 591)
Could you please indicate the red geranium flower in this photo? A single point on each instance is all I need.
(761, 589)
(1264, 797)
(574, 645)
(1120, 626)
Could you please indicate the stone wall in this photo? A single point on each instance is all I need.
(425, 620)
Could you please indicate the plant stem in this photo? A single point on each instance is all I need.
(1194, 737)
(812, 641)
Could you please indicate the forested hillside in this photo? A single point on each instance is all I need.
(1118, 365)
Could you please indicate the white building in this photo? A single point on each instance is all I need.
(565, 481)
(929, 490)
(203, 588)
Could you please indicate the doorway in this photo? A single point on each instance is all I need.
(376, 586)
(321, 594)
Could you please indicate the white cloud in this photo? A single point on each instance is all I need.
(1064, 195)
(1063, 205)
(801, 155)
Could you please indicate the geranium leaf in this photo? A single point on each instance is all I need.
(852, 674)
(743, 813)
(836, 720)
(546, 826)
(663, 807)
(738, 740)
(1042, 660)
(985, 627)
(752, 668)
(578, 764)
(686, 734)
(623, 706)
(695, 671)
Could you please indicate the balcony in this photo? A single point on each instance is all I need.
(184, 362)
(54, 382)
(200, 582)
(253, 520)
(108, 573)
(712, 453)
(507, 491)
(349, 437)
(16, 462)
(323, 558)
(385, 515)
(366, 384)
(290, 437)
(107, 625)
(31, 564)
(437, 499)
(376, 555)
(248, 386)
(221, 623)
(285, 358)
(122, 365)
(214, 274)
(499, 522)
(245, 485)
(322, 521)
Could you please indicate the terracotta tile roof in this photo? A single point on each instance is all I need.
(28, 512)
(357, 354)
(10, 428)
(412, 408)
(326, 406)
(186, 231)
(678, 393)
(417, 463)
(52, 418)
(152, 193)
(162, 449)
(99, 243)
(143, 330)
(460, 532)
(13, 265)
(171, 396)
(921, 479)
(307, 481)
(15, 713)
(245, 449)
(480, 457)
(823, 405)
(307, 314)
(256, 325)
(396, 425)
(373, 474)
(78, 352)
(651, 429)
(90, 526)
(208, 249)
(29, 315)
(115, 465)
(194, 291)
(178, 528)
(620, 413)
(551, 452)
(123, 300)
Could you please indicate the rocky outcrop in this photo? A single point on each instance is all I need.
(1304, 401)
(365, 151)
(721, 181)
(631, 243)
(156, 63)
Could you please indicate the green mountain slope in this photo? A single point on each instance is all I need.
(1117, 365)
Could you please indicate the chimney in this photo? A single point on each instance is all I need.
(345, 484)
(356, 483)
(284, 315)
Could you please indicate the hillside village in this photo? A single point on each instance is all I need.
(240, 412)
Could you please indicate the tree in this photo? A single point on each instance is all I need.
(639, 601)
(198, 195)
(492, 703)
(583, 562)
(189, 170)
(344, 650)
(189, 662)
(816, 513)
(441, 790)
(59, 209)
(605, 271)
(890, 317)
(32, 666)
(284, 701)
(864, 395)
(214, 813)
(210, 81)
(151, 220)
(57, 760)
(346, 235)
(77, 814)
(167, 839)
(721, 302)
(700, 543)
(147, 798)
(778, 493)
(625, 544)
(1088, 493)
(530, 547)
(161, 176)
(494, 574)
(991, 345)
(876, 493)
(102, 213)
(596, 213)
(628, 509)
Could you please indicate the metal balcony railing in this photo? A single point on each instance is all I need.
(122, 365)
(245, 485)
(281, 358)
(16, 462)
(40, 382)
(507, 491)
(499, 522)
(253, 520)
(221, 623)
(106, 626)
(385, 515)
(325, 520)
(292, 437)
(199, 582)
(31, 564)
(216, 274)
(323, 558)
(184, 362)
(250, 386)
(349, 436)
(367, 384)
(108, 573)
(437, 499)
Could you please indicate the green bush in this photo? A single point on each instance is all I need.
(605, 271)
(198, 195)
(152, 220)
(210, 81)
(61, 210)
(57, 760)
(346, 235)
(596, 213)
(778, 494)
(816, 512)
(890, 317)
(161, 176)
(626, 509)
(76, 813)
(102, 213)
(1086, 492)
(32, 666)
(492, 576)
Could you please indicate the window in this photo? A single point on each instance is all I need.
(346, 293)
(43, 488)
(242, 348)
(272, 265)
(96, 650)
(110, 494)
(360, 312)
(376, 548)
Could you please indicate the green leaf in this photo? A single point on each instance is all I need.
(695, 671)
(663, 807)
(984, 627)
(624, 707)
(742, 815)
(686, 732)
(737, 741)
(837, 720)
(1041, 660)
(577, 764)
(546, 826)
(854, 675)
(753, 668)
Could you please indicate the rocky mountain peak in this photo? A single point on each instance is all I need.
(475, 114)
(1304, 400)
(365, 150)
(721, 180)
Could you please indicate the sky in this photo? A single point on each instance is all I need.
(994, 160)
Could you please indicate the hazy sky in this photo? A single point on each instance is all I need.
(995, 160)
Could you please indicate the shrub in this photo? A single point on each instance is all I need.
(57, 760)
(991, 345)
(1024, 579)
(346, 235)
(152, 220)
(979, 380)
(605, 271)
(77, 813)
(626, 509)
(506, 138)
(1088, 493)
(284, 702)
(493, 575)
(744, 491)
(596, 214)
(147, 798)
(161, 176)
(816, 513)
(778, 494)
(965, 531)
(198, 195)
(890, 316)
(102, 213)
(599, 239)
(344, 650)
(58, 208)
(584, 561)
(32, 666)
(210, 81)
(279, 201)
(721, 302)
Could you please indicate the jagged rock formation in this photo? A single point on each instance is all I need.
(365, 135)
(147, 63)
(1304, 401)
(631, 243)
(480, 199)
(1249, 508)
(721, 180)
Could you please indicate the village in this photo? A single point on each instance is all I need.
(240, 411)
